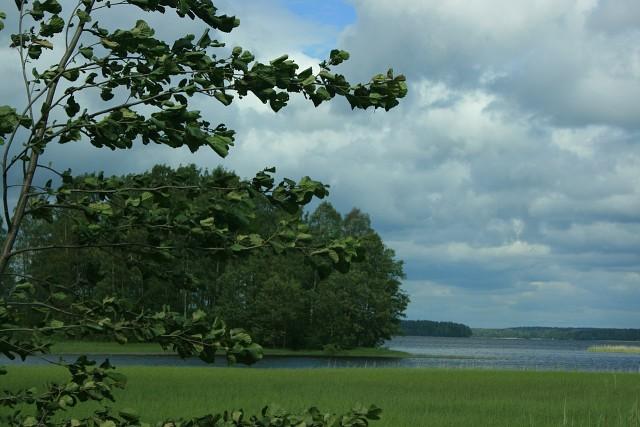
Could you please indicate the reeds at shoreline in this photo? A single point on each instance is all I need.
(614, 349)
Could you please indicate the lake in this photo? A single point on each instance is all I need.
(432, 352)
(493, 353)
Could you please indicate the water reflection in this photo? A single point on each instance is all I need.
(429, 352)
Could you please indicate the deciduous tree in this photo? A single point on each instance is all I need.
(146, 86)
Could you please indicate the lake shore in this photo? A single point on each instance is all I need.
(63, 348)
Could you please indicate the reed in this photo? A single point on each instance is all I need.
(614, 349)
(409, 397)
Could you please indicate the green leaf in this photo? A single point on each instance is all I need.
(108, 43)
(279, 60)
(101, 208)
(224, 98)
(83, 16)
(204, 40)
(235, 195)
(198, 315)
(106, 94)
(56, 324)
(72, 74)
(333, 255)
(323, 93)
(256, 239)
(55, 25)
(338, 56)
(44, 43)
(220, 144)
(9, 120)
(142, 29)
(65, 401)
(304, 237)
(32, 422)
(237, 247)
(25, 287)
(51, 6)
(87, 52)
(207, 223)
(72, 108)
(34, 51)
(145, 196)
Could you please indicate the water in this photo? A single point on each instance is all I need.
(431, 352)
(492, 353)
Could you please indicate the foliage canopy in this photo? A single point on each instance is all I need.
(146, 87)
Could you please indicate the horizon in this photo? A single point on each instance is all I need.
(519, 326)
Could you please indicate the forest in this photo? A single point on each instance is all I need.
(428, 328)
(282, 301)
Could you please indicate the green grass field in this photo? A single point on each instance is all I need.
(101, 347)
(409, 397)
(614, 349)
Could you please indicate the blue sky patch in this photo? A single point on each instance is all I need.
(332, 13)
(337, 13)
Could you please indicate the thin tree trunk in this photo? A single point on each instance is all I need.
(21, 206)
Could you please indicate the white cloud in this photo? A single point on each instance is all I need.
(464, 252)
(507, 179)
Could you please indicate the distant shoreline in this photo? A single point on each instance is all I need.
(430, 328)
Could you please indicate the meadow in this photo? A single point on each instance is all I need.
(409, 397)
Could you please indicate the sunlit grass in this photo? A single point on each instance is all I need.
(409, 397)
(614, 349)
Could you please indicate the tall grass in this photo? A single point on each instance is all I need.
(409, 397)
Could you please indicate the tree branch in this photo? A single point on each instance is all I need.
(114, 245)
(16, 221)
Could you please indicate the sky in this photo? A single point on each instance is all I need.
(508, 180)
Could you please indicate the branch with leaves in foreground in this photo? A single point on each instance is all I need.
(146, 86)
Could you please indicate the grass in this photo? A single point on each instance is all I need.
(409, 397)
(614, 349)
(100, 347)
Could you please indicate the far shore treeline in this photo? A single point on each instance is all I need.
(429, 328)
(280, 299)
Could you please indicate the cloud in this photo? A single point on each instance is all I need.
(507, 179)
(615, 16)
(543, 56)
(462, 252)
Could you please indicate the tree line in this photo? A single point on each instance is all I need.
(281, 300)
(428, 328)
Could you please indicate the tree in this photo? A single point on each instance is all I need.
(274, 296)
(362, 307)
(146, 86)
